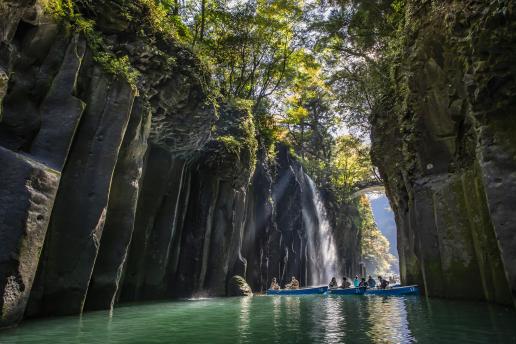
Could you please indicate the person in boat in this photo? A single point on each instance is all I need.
(333, 283)
(356, 281)
(345, 283)
(294, 284)
(363, 284)
(383, 282)
(371, 283)
(274, 284)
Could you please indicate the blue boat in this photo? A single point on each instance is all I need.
(300, 291)
(406, 290)
(347, 291)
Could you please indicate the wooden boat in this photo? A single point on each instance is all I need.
(300, 291)
(405, 290)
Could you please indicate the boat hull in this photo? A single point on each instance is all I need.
(301, 291)
(407, 290)
(347, 291)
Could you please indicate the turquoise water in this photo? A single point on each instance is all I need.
(266, 319)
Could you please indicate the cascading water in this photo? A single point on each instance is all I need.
(322, 252)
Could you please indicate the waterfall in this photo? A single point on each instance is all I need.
(322, 252)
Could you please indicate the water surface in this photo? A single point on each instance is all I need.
(280, 319)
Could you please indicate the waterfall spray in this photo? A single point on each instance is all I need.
(322, 252)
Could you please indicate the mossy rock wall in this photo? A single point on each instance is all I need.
(444, 142)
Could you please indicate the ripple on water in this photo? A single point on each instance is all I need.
(281, 319)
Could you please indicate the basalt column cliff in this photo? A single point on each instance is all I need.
(125, 184)
(444, 140)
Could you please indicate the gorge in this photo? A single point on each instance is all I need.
(118, 192)
(125, 178)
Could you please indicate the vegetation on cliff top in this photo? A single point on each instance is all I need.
(66, 11)
(257, 51)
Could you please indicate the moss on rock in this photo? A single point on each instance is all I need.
(237, 286)
(233, 150)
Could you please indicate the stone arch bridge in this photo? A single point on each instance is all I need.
(366, 186)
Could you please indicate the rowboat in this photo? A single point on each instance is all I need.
(300, 291)
(405, 290)
(347, 291)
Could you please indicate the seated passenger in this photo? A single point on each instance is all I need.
(345, 283)
(383, 282)
(356, 281)
(294, 284)
(333, 283)
(371, 283)
(362, 284)
(274, 284)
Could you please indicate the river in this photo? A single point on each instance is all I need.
(264, 319)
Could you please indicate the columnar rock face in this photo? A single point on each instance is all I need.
(121, 210)
(80, 209)
(27, 191)
(127, 189)
(444, 142)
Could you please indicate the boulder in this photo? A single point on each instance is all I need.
(237, 286)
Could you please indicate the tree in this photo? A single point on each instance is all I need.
(310, 118)
(355, 42)
(351, 165)
(250, 46)
(374, 245)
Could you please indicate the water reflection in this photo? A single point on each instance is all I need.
(335, 320)
(291, 327)
(276, 317)
(245, 318)
(387, 318)
(360, 320)
(292, 310)
(317, 319)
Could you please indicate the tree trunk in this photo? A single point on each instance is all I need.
(203, 19)
(175, 11)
